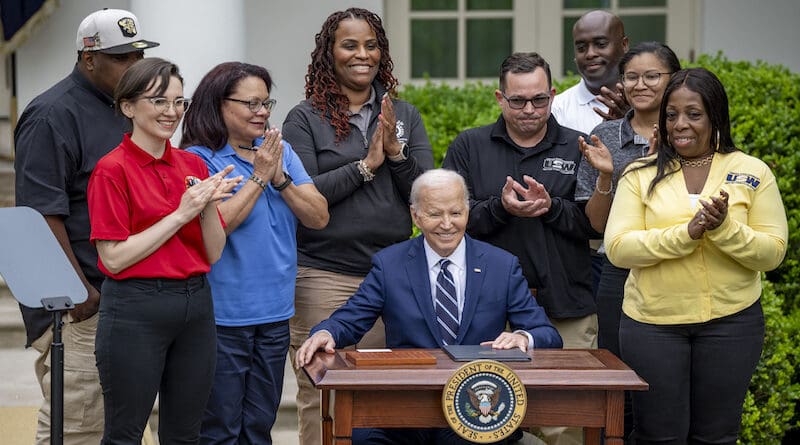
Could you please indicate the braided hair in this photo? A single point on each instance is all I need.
(322, 86)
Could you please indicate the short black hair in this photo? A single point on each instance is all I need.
(523, 63)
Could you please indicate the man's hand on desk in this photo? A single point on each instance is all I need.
(509, 340)
(320, 340)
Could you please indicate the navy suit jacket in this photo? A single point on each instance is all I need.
(398, 289)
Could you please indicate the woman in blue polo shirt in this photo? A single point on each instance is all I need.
(253, 283)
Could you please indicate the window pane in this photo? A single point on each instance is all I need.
(434, 50)
(488, 44)
(586, 4)
(639, 3)
(642, 28)
(474, 5)
(568, 54)
(434, 5)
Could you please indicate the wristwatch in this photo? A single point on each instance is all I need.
(283, 184)
(401, 156)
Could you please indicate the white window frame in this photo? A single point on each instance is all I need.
(537, 27)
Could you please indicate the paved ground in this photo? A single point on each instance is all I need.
(20, 398)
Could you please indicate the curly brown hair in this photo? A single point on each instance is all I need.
(322, 87)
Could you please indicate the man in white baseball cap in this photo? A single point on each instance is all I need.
(58, 139)
(112, 31)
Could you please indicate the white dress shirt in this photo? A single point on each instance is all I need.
(573, 108)
(458, 269)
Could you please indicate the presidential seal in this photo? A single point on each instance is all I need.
(484, 401)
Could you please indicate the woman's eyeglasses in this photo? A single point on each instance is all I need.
(650, 78)
(162, 104)
(255, 104)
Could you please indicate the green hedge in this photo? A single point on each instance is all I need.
(765, 117)
(770, 403)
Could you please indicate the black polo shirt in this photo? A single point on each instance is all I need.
(553, 249)
(60, 137)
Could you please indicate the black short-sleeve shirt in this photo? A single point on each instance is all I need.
(59, 138)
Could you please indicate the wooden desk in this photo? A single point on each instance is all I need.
(578, 388)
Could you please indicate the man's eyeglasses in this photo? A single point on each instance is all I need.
(255, 104)
(162, 104)
(650, 78)
(518, 103)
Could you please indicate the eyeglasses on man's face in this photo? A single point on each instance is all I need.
(518, 103)
(650, 78)
(255, 104)
(162, 104)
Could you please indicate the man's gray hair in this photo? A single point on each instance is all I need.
(434, 178)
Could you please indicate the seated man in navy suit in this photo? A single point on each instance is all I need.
(441, 288)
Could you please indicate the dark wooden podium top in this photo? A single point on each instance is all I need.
(555, 369)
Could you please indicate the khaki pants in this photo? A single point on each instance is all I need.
(317, 294)
(577, 333)
(83, 398)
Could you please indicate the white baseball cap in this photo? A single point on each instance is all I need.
(112, 31)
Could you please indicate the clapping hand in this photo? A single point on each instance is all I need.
(597, 155)
(653, 141)
(388, 120)
(525, 202)
(614, 100)
(268, 162)
(209, 190)
(710, 216)
(376, 154)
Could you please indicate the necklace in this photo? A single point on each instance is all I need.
(697, 162)
(245, 147)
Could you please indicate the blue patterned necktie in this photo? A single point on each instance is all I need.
(446, 304)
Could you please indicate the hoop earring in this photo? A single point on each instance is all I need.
(717, 146)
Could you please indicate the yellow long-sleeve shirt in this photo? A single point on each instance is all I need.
(675, 279)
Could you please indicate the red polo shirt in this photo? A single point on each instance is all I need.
(129, 191)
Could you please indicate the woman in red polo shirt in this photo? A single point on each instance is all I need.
(154, 219)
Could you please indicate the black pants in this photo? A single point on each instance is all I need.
(155, 336)
(698, 376)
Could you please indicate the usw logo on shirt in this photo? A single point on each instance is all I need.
(742, 178)
(560, 165)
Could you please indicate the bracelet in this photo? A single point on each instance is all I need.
(283, 184)
(365, 171)
(602, 192)
(258, 181)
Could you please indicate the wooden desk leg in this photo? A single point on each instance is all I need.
(343, 418)
(327, 421)
(591, 436)
(615, 417)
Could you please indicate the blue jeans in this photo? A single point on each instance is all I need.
(247, 384)
(698, 375)
(155, 336)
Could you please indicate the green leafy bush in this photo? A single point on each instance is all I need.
(769, 405)
(448, 110)
(765, 121)
(765, 118)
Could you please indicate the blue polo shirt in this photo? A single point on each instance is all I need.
(253, 282)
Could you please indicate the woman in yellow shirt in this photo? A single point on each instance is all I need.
(697, 224)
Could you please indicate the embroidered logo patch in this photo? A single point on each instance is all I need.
(400, 131)
(560, 165)
(127, 26)
(743, 178)
(484, 401)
